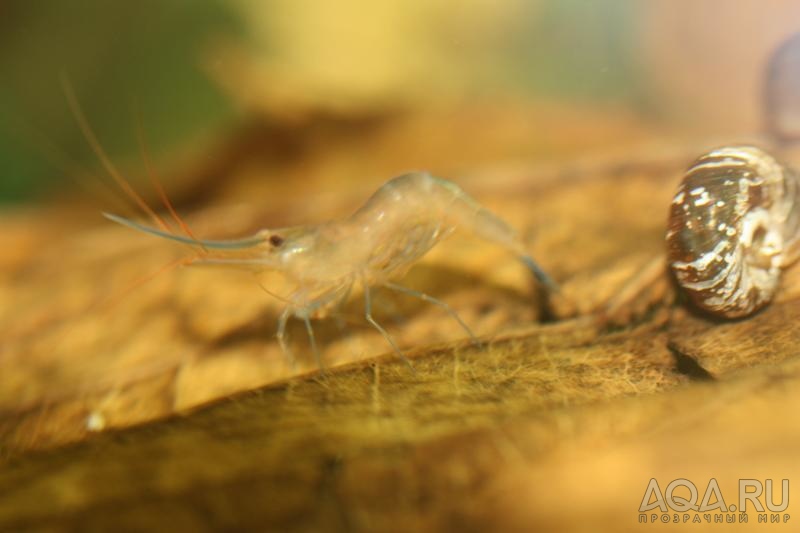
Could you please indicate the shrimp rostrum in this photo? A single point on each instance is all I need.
(402, 220)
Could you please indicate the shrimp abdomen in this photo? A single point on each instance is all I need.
(414, 211)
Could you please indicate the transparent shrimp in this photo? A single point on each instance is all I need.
(399, 224)
(402, 221)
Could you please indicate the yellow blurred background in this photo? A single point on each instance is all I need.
(193, 71)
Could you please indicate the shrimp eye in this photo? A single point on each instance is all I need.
(275, 240)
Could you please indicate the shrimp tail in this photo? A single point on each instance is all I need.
(234, 244)
(540, 274)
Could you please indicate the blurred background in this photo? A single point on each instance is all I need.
(571, 119)
(210, 80)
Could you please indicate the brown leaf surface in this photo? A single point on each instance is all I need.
(558, 419)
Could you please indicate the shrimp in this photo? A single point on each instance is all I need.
(398, 224)
(376, 245)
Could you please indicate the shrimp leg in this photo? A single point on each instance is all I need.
(374, 323)
(313, 342)
(435, 301)
(282, 320)
(340, 323)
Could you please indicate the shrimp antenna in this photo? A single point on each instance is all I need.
(234, 244)
(146, 279)
(154, 180)
(101, 154)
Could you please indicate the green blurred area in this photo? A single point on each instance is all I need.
(124, 59)
(146, 59)
(576, 49)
